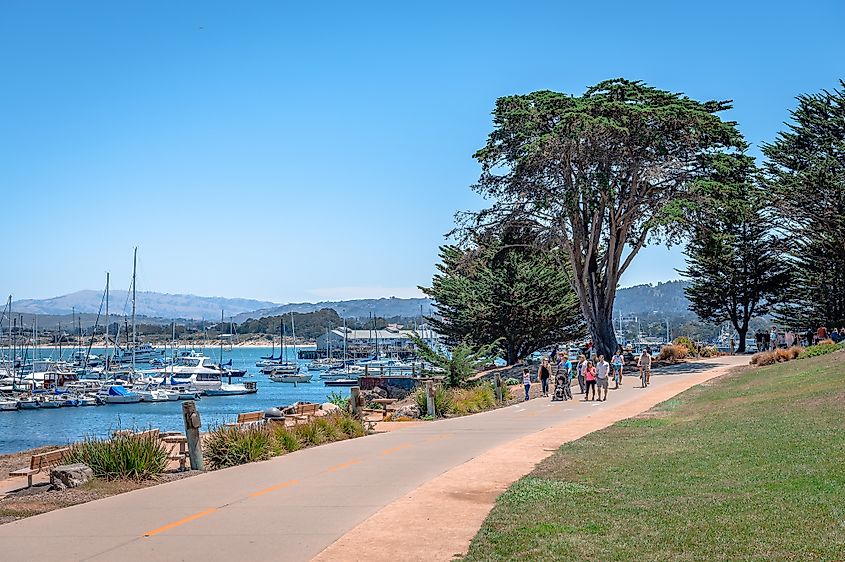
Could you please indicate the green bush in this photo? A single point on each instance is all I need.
(442, 400)
(339, 400)
(349, 425)
(232, 446)
(122, 456)
(820, 349)
(473, 400)
(286, 440)
(329, 429)
(310, 434)
(687, 343)
(512, 381)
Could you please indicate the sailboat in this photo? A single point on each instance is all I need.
(272, 360)
(287, 371)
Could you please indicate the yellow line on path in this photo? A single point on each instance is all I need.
(187, 519)
(274, 488)
(395, 449)
(341, 466)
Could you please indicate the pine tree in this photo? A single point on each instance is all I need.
(503, 289)
(806, 178)
(733, 256)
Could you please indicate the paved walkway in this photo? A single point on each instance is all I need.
(293, 507)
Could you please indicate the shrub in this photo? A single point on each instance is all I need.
(673, 352)
(310, 434)
(350, 426)
(819, 349)
(122, 456)
(709, 351)
(232, 446)
(329, 430)
(512, 381)
(339, 400)
(687, 343)
(286, 440)
(442, 400)
(764, 358)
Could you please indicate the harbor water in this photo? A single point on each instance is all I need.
(27, 429)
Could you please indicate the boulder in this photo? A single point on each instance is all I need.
(380, 392)
(329, 407)
(407, 411)
(70, 475)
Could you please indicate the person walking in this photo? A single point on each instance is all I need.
(526, 382)
(582, 365)
(590, 380)
(773, 336)
(602, 376)
(543, 373)
(617, 361)
(644, 364)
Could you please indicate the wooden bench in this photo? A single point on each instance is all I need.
(248, 418)
(387, 403)
(303, 412)
(151, 433)
(172, 454)
(39, 462)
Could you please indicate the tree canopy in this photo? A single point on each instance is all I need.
(504, 289)
(733, 256)
(596, 175)
(805, 170)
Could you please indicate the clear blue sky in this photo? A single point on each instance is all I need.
(300, 151)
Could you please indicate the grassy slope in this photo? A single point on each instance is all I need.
(748, 467)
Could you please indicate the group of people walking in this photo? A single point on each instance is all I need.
(774, 338)
(593, 377)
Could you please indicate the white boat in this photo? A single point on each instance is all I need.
(117, 394)
(233, 389)
(29, 403)
(186, 393)
(144, 353)
(88, 400)
(196, 371)
(305, 377)
(286, 368)
(7, 405)
(151, 392)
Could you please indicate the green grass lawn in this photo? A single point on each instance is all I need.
(750, 466)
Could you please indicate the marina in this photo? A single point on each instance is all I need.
(26, 428)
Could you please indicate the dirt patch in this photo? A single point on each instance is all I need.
(40, 499)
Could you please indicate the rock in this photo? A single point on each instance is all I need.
(380, 392)
(273, 413)
(70, 476)
(329, 407)
(407, 411)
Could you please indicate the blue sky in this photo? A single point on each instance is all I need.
(301, 151)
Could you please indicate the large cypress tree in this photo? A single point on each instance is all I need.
(734, 258)
(806, 178)
(505, 289)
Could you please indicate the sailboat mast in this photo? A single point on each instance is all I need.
(106, 367)
(134, 338)
(221, 338)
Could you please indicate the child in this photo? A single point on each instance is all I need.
(526, 381)
(590, 378)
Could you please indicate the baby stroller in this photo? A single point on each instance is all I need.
(563, 390)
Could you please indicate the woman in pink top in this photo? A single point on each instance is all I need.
(590, 378)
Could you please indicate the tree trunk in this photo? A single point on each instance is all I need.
(511, 353)
(740, 347)
(604, 338)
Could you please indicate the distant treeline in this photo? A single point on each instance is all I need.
(311, 325)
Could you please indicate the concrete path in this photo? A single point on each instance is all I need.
(294, 506)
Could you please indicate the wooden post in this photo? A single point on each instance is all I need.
(355, 400)
(499, 387)
(429, 398)
(192, 432)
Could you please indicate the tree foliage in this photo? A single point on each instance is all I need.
(806, 177)
(504, 288)
(462, 361)
(596, 174)
(733, 255)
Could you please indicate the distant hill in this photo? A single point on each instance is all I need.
(663, 299)
(360, 308)
(150, 304)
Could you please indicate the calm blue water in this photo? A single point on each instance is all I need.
(26, 429)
